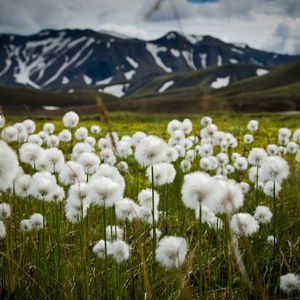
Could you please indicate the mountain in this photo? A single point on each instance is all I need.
(279, 90)
(70, 60)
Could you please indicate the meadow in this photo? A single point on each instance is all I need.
(150, 207)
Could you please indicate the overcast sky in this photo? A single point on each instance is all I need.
(265, 24)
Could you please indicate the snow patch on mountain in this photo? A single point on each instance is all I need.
(128, 75)
(219, 60)
(203, 57)
(188, 56)
(154, 50)
(115, 90)
(261, 72)
(220, 82)
(175, 53)
(239, 51)
(233, 61)
(132, 62)
(104, 81)
(165, 86)
(65, 80)
(87, 80)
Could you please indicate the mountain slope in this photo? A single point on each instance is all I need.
(74, 59)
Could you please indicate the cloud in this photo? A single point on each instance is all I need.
(256, 22)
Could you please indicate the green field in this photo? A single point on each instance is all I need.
(58, 261)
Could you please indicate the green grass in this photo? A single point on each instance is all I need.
(58, 263)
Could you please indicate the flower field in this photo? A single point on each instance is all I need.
(205, 207)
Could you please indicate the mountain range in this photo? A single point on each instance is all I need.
(69, 60)
(177, 72)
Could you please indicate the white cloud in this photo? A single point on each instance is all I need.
(256, 22)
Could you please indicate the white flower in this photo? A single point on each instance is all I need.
(95, 129)
(292, 147)
(71, 172)
(29, 153)
(122, 166)
(29, 126)
(243, 224)
(150, 151)
(187, 126)
(145, 198)
(252, 125)
(2, 121)
(271, 240)
(99, 248)
(35, 139)
(104, 191)
(65, 136)
(41, 186)
(290, 283)
(185, 165)
(25, 225)
(298, 156)
(200, 189)
(296, 136)
(232, 196)
(70, 119)
(163, 173)
(263, 214)
(4, 211)
(81, 133)
(171, 251)
(37, 221)
(283, 135)
(2, 230)
(114, 232)
(206, 150)
(119, 250)
(55, 159)
(9, 134)
(240, 163)
(89, 162)
(205, 121)
(80, 148)
(137, 137)
(52, 140)
(269, 188)
(257, 156)
(90, 140)
(248, 139)
(8, 166)
(127, 209)
(22, 185)
(48, 128)
(245, 187)
(173, 126)
(274, 168)
(272, 149)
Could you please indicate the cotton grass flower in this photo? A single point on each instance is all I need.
(9, 134)
(35, 139)
(253, 125)
(257, 156)
(290, 283)
(171, 252)
(145, 198)
(150, 151)
(71, 172)
(205, 121)
(120, 251)
(95, 129)
(248, 139)
(8, 166)
(70, 119)
(199, 189)
(292, 147)
(243, 224)
(29, 126)
(270, 189)
(173, 126)
(65, 136)
(81, 133)
(296, 136)
(114, 232)
(104, 191)
(99, 248)
(55, 159)
(271, 240)
(163, 173)
(37, 221)
(137, 137)
(48, 128)
(2, 121)
(185, 165)
(126, 209)
(89, 162)
(263, 214)
(241, 164)
(25, 225)
(5, 211)
(274, 168)
(2, 230)
(22, 185)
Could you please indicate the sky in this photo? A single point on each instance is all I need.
(272, 25)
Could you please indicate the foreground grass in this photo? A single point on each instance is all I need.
(58, 262)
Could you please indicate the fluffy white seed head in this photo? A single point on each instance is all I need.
(8, 166)
(244, 224)
(70, 119)
(290, 283)
(37, 221)
(171, 252)
(263, 214)
(65, 136)
(163, 173)
(252, 125)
